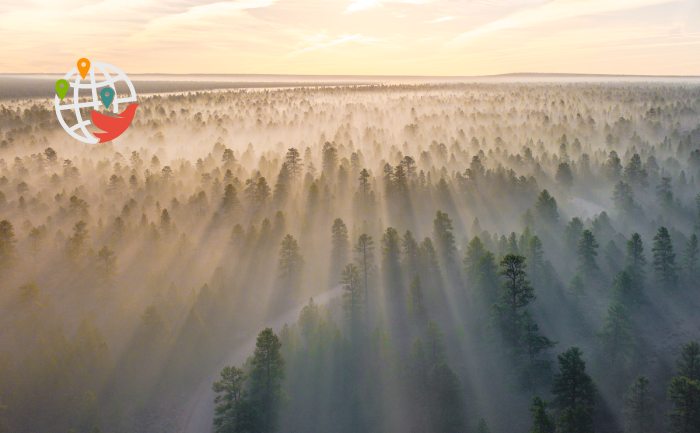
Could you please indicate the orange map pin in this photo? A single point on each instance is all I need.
(83, 67)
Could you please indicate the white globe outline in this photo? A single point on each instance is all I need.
(105, 69)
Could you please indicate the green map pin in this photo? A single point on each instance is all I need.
(62, 88)
(107, 95)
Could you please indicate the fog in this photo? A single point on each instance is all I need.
(425, 254)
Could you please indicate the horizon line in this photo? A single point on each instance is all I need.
(507, 74)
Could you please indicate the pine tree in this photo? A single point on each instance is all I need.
(691, 258)
(564, 175)
(330, 160)
(587, 252)
(546, 208)
(516, 294)
(410, 253)
(266, 375)
(108, 262)
(364, 257)
(623, 198)
(616, 336)
(7, 244)
(535, 258)
(340, 246)
(282, 187)
(541, 421)
(391, 259)
(472, 260)
(574, 394)
(230, 414)
(625, 290)
(638, 411)
(352, 296)
(684, 391)
(291, 264)
(293, 162)
(664, 193)
(613, 166)
(664, 259)
(573, 233)
(487, 282)
(75, 246)
(634, 172)
(417, 302)
(636, 262)
(444, 238)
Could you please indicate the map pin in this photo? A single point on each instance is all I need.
(83, 67)
(62, 88)
(107, 96)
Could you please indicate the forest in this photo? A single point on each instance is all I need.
(421, 258)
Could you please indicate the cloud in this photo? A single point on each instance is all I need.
(555, 10)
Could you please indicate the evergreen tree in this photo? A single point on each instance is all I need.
(638, 411)
(7, 244)
(293, 162)
(689, 362)
(664, 193)
(587, 252)
(625, 290)
(266, 375)
(684, 391)
(231, 413)
(564, 175)
(541, 421)
(75, 246)
(616, 336)
(574, 394)
(516, 294)
(472, 260)
(487, 282)
(352, 296)
(691, 258)
(573, 233)
(546, 208)
(613, 166)
(291, 264)
(636, 262)
(535, 258)
(108, 262)
(623, 198)
(391, 260)
(410, 253)
(444, 238)
(330, 160)
(364, 257)
(417, 302)
(340, 246)
(634, 172)
(664, 259)
(282, 187)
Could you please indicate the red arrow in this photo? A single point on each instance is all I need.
(113, 126)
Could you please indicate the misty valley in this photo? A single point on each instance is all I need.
(501, 257)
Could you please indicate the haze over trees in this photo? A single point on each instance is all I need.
(502, 257)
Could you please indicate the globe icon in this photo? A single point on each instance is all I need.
(82, 98)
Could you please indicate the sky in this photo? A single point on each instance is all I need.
(354, 37)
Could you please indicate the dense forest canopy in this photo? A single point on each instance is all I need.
(383, 258)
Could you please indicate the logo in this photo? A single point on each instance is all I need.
(84, 97)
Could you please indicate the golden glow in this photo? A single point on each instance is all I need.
(385, 37)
